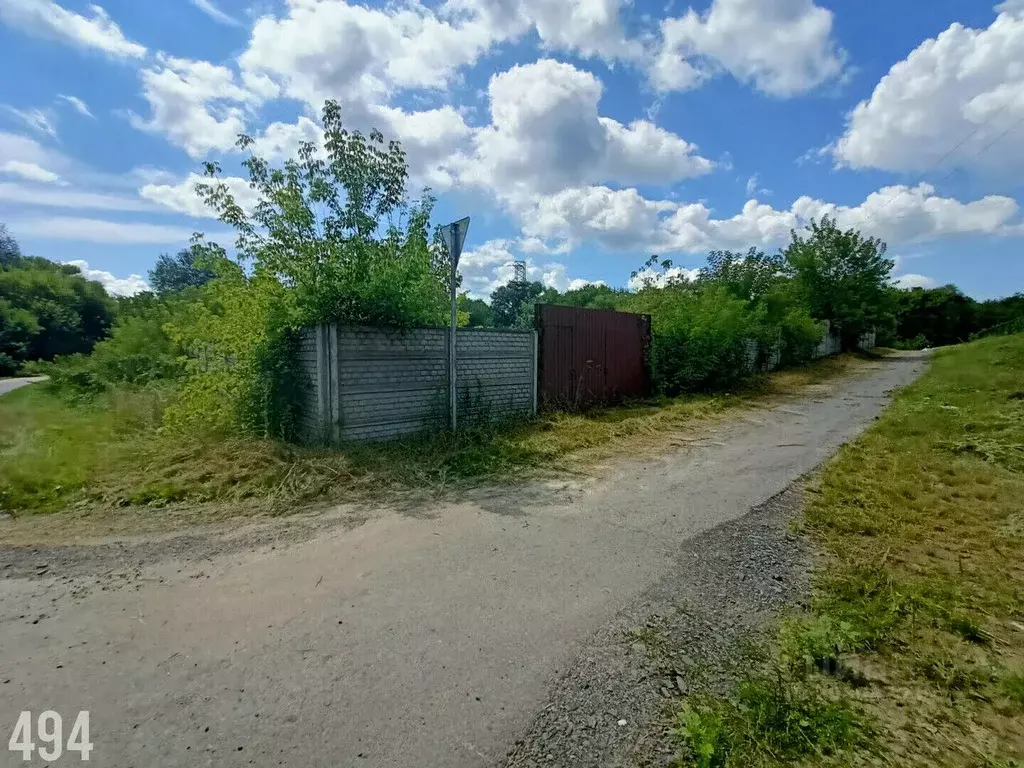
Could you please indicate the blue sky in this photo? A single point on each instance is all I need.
(580, 135)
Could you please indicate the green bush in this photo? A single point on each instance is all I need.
(8, 365)
(700, 336)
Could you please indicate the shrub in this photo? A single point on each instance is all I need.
(700, 336)
(8, 365)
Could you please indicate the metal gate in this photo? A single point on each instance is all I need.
(588, 357)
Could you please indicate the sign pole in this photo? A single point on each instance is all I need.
(454, 236)
(452, 393)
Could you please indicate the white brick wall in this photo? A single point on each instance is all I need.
(387, 383)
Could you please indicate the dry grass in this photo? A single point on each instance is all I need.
(109, 460)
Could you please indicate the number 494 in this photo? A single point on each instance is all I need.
(50, 731)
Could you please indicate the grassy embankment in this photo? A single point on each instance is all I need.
(111, 452)
(913, 650)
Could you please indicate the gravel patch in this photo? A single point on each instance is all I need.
(614, 705)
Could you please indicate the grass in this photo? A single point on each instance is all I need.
(917, 617)
(111, 454)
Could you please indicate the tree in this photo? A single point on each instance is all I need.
(748, 276)
(508, 300)
(332, 239)
(934, 317)
(49, 309)
(842, 277)
(179, 272)
(480, 313)
(9, 250)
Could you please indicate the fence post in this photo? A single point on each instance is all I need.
(536, 383)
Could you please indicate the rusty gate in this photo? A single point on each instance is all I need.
(588, 357)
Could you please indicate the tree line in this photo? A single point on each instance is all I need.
(337, 238)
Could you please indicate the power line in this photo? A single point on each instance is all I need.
(959, 144)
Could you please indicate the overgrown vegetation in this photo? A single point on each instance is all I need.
(916, 628)
(132, 461)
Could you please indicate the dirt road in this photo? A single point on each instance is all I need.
(411, 640)
(9, 385)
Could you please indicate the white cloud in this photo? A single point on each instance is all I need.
(546, 135)
(911, 280)
(901, 214)
(80, 106)
(215, 13)
(587, 27)
(36, 119)
(490, 265)
(182, 197)
(782, 47)
(25, 150)
(329, 49)
(650, 278)
(29, 172)
(625, 220)
(100, 231)
(962, 86)
(115, 286)
(63, 197)
(47, 19)
(752, 185)
(281, 140)
(196, 104)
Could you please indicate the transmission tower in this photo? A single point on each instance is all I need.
(520, 271)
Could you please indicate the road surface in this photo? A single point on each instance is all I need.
(424, 639)
(9, 385)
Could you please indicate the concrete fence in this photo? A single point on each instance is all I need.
(374, 383)
(830, 344)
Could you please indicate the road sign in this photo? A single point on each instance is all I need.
(454, 236)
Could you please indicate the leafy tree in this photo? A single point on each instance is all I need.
(750, 276)
(9, 250)
(479, 312)
(842, 277)
(179, 272)
(332, 238)
(48, 309)
(934, 317)
(593, 296)
(508, 300)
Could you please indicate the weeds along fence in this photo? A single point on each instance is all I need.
(377, 383)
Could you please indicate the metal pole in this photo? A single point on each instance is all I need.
(451, 354)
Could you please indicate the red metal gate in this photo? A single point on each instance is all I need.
(589, 357)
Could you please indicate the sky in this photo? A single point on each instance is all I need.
(581, 136)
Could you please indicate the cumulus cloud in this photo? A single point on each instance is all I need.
(962, 86)
(47, 19)
(115, 286)
(625, 220)
(196, 104)
(782, 47)
(182, 197)
(490, 265)
(911, 280)
(650, 278)
(29, 172)
(546, 134)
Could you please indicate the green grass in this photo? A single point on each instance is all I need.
(110, 453)
(917, 617)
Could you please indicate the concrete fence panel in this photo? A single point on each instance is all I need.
(376, 383)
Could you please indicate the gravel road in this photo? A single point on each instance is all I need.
(9, 385)
(427, 639)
